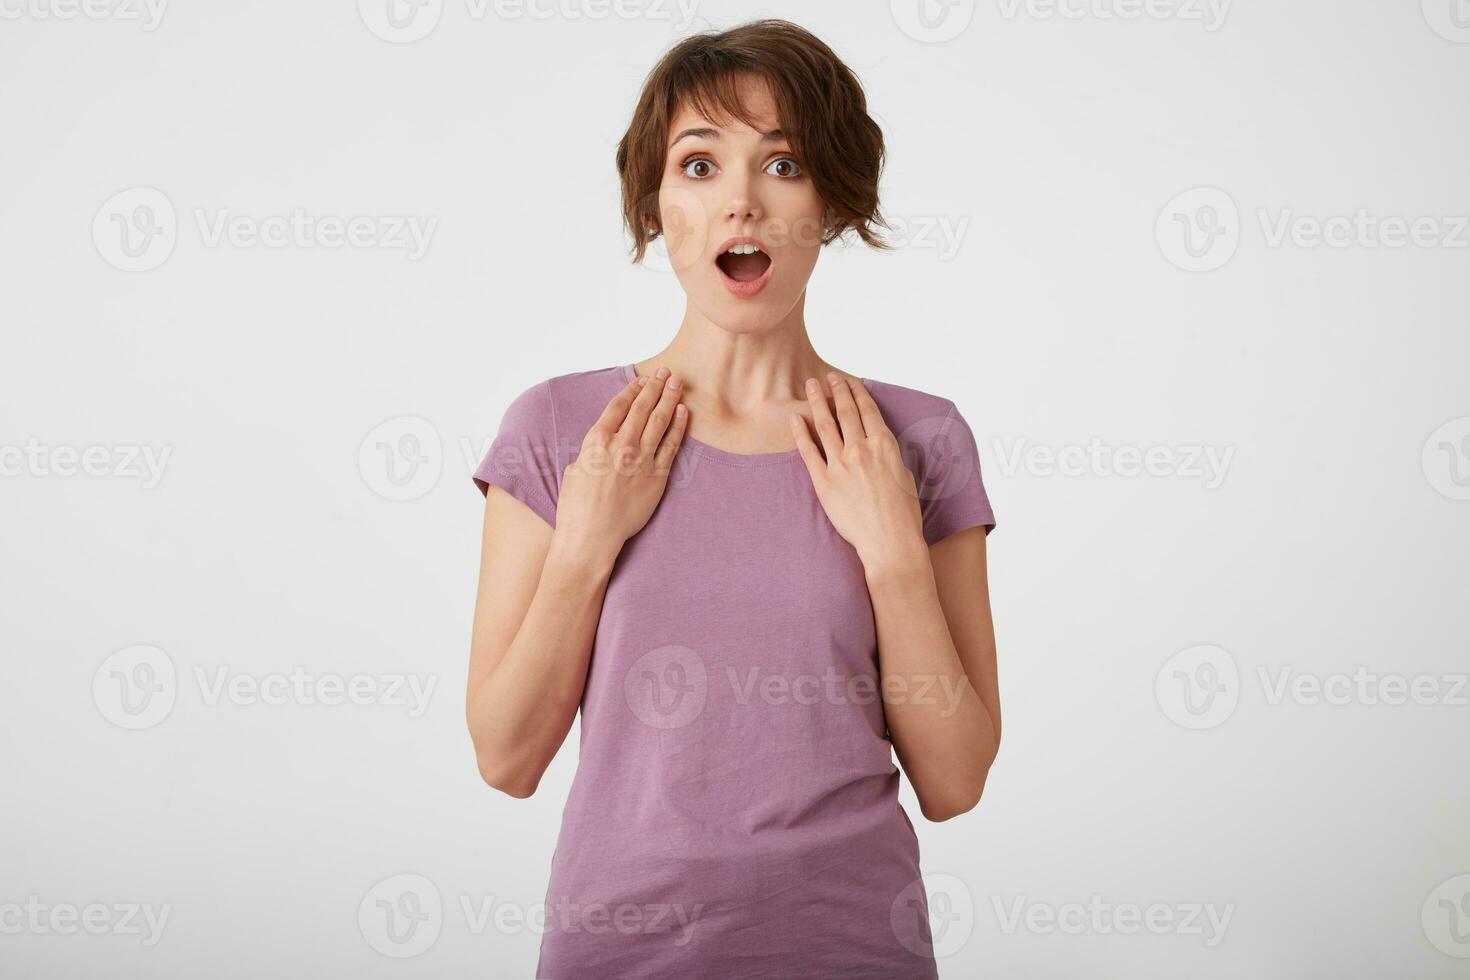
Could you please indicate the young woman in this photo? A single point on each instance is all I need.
(755, 574)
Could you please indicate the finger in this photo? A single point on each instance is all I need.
(810, 454)
(867, 408)
(822, 418)
(642, 405)
(658, 419)
(612, 416)
(847, 411)
(663, 459)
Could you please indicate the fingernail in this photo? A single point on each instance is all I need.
(661, 373)
(811, 386)
(642, 381)
(675, 381)
(795, 420)
(832, 377)
(679, 410)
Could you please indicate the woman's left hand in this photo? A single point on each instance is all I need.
(868, 493)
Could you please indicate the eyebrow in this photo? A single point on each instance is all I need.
(705, 132)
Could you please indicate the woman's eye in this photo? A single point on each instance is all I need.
(697, 162)
(792, 168)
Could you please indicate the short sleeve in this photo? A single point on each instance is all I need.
(952, 493)
(522, 460)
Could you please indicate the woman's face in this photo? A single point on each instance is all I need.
(722, 183)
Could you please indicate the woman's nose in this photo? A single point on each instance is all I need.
(742, 204)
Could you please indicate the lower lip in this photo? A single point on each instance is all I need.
(747, 289)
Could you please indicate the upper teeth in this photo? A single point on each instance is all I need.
(743, 249)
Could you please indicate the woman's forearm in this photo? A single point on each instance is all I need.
(522, 710)
(942, 730)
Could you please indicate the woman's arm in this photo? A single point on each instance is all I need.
(536, 612)
(937, 659)
(931, 607)
(541, 590)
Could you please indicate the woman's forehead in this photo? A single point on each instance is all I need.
(694, 126)
(755, 101)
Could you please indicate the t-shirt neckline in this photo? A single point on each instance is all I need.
(724, 455)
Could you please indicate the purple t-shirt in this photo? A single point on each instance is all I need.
(734, 811)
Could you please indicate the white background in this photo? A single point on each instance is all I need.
(1043, 284)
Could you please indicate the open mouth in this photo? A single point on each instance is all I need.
(744, 263)
(744, 268)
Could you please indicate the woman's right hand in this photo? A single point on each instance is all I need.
(610, 490)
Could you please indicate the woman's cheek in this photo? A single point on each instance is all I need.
(686, 227)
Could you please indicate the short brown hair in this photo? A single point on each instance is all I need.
(819, 101)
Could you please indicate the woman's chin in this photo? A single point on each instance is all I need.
(746, 316)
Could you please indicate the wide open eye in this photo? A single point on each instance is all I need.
(792, 168)
(694, 162)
